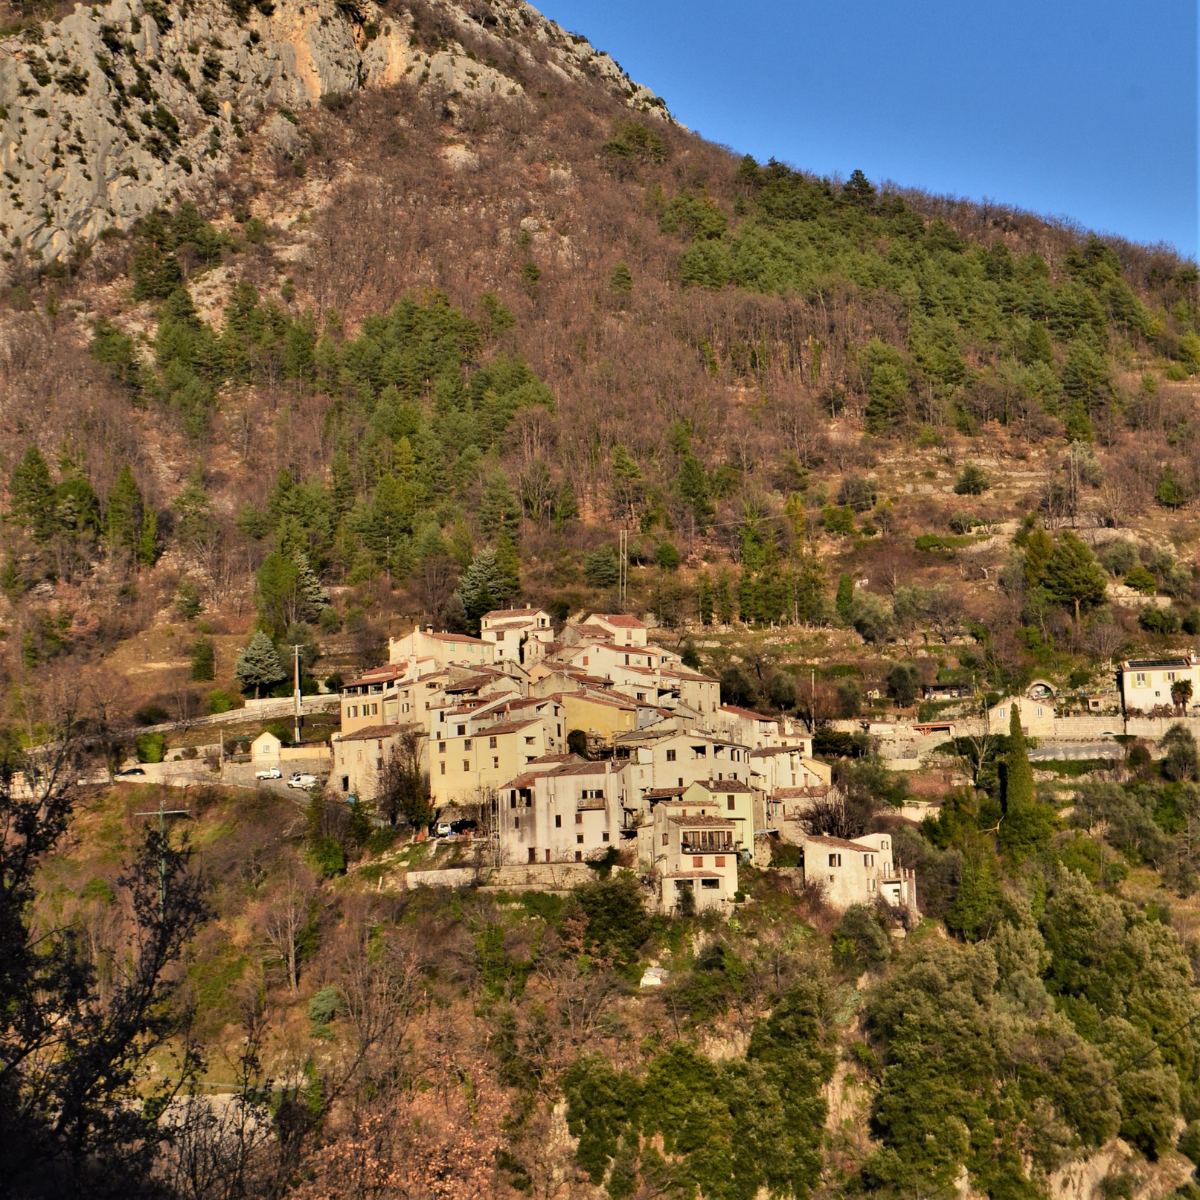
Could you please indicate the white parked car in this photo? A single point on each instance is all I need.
(304, 782)
(269, 773)
(443, 829)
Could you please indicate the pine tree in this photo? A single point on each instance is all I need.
(693, 489)
(1019, 789)
(341, 484)
(313, 596)
(508, 569)
(125, 514)
(32, 493)
(1073, 576)
(147, 548)
(499, 509)
(258, 665)
(204, 660)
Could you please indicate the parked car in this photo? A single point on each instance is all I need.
(302, 781)
(269, 773)
(129, 771)
(444, 829)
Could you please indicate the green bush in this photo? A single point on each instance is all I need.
(327, 856)
(1158, 620)
(151, 747)
(1141, 580)
(972, 481)
(859, 940)
(221, 701)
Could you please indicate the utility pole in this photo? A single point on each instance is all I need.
(162, 813)
(296, 692)
(623, 567)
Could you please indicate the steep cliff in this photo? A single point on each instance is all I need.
(109, 111)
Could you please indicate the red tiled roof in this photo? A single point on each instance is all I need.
(704, 822)
(723, 785)
(621, 620)
(662, 793)
(745, 712)
(374, 732)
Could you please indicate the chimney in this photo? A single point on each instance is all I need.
(428, 628)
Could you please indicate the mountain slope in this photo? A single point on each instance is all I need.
(108, 111)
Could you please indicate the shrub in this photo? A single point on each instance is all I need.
(1119, 557)
(1158, 620)
(857, 493)
(151, 714)
(962, 522)
(151, 747)
(327, 856)
(859, 941)
(667, 556)
(1142, 581)
(837, 520)
(972, 481)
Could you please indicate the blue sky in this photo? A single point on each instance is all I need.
(1084, 110)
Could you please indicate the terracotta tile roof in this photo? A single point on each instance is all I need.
(621, 620)
(504, 727)
(839, 844)
(514, 612)
(585, 768)
(703, 822)
(713, 874)
(662, 793)
(745, 712)
(799, 793)
(723, 785)
(558, 758)
(375, 732)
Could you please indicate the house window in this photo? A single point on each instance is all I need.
(516, 822)
(698, 861)
(604, 837)
(710, 883)
(461, 730)
(466, 743)
(835, 860)
(579, 839)
(729, 802)
(443, 766)
(627, 660)
(345, 783)
(1170, 676)
(512, 800)
(868, 860)
(533, 854)
(495, 763)
(579, 818)
(870, 885)
(466, 765)
(664, 839)
(700, 751)
(499, 635)
(353, 710)
(720, 860)
(441, 747)
(670, 756)
(557, 822)
(579, 856)
(374, 709)
(529, 741)
(1139, 679)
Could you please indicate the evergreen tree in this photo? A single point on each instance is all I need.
(341, 484)
(508, 569)
(147, 547)
(499, 509)
(258, 665)
(279, 594)
(845, 598)
(125, 514)
(808, 585)
(313, 596)
(723, 597)
(693, 489)
(204, 659)
(601, 569)
(1073, 575)
(32, 496)
(1019, 787)
(621, 279)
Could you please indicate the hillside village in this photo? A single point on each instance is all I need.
(540, 656)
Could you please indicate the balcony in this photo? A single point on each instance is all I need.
(706, 845)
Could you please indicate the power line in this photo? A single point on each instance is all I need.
(1127, 1067)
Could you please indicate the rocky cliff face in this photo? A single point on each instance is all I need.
(109, 111)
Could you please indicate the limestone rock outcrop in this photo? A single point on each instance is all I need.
(106, 113)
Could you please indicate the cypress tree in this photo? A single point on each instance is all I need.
(147, 549)
(1019, 792)
(32, 494)
(125, 514)
(845, 598)
(204, 659)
